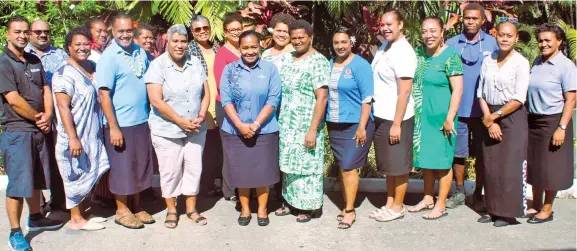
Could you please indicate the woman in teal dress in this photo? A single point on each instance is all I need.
(437, 92)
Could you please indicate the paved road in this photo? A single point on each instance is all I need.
(458, 231)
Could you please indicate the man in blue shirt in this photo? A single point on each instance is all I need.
(122, 92)
(474, 45)
(51, 57)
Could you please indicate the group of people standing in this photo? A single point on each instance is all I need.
(257, 119)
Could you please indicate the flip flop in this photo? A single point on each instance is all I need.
(97, 219)
(91, 226)
(427, 207)
(442, 211)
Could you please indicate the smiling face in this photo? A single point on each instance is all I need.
(390, 27)
(79, 48)
(300, 40)
(177, 45)
(99, 33)
(473, 20)
(507, 36)
(432, 33)
(233, 31)
(342, 44)
(145, 39)
(122, 32)
(201, 31)
(548, 43)
(249, 49)
(280, 34)
(40, 34)
(18, 35)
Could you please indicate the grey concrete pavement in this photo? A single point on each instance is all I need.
(458, 231)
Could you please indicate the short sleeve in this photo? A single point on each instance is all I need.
(569, 77)
(7, 80)
(453, 66)
(522, 80)
(365, 81)
(106, 72)
(225, 92)
(482, 78)
(406, 64)
(203, 76)
(274, 91)
(321, 72)
(63, 84)
(154, 74)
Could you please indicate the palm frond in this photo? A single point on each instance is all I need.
(528, 49)
(176, 12)
(571, 35)
(340, 8)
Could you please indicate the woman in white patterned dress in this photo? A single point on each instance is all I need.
(80, 151)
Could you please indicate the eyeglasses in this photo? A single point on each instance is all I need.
(39, 32)
(203, 28)
(238, 30)
(471, 58)
(508, 19)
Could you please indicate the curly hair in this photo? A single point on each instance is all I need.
(81, 31)
(301, 24)
(283, 18)
(555, 29)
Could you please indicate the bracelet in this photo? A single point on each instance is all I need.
(256, 123)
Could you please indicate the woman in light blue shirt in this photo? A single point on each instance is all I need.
(250, 91)
(550, 101)
(349, 117)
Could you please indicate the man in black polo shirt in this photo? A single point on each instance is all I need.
(26, 109)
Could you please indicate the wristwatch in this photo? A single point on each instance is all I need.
(563, 127)
(500, 113)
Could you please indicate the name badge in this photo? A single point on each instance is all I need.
(35, 70)
(348, 73)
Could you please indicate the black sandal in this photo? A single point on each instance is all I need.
(343, 225)
(167, 221)
(244, 221)
(308, 215)
(262, 221)
(197, 220)
(284, 211)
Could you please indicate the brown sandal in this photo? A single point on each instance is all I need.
(128, 220)
(145, 217)
(198, 219)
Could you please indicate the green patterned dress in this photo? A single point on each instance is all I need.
(432, 94)
(302, 167)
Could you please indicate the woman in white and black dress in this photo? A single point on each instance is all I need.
(550, 101)
(502, 92)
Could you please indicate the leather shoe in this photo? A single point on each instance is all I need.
(485, 219)
(535, 220)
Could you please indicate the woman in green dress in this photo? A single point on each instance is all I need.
(437, 92)
(304, 79)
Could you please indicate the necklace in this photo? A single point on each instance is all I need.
(129, 61)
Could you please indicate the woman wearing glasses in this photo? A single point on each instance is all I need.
(279, 23)
(502, 92)
(551, 100)
(204, 49)
(437, 91)
(228, 53)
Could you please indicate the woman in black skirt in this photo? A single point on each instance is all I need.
(550, 101)
(502, 92)
(250, 91)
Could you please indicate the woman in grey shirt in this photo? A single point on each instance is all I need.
(550, 101)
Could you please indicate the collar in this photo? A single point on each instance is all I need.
(14, 57)
(555, 60)
(241, 64)
(463, 39)
(30, 49)
(119, 49)
(172, 64)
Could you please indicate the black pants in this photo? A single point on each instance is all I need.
(57, 196)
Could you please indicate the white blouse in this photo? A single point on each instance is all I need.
(498, 86)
